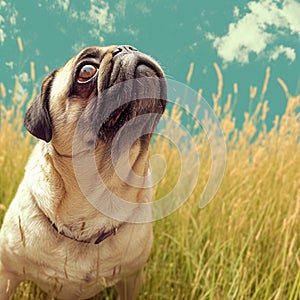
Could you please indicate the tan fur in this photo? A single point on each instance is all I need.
(30, 248)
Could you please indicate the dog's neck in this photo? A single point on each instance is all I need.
(68, 207)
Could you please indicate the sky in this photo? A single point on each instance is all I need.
(243, 37)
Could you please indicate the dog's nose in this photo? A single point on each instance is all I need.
(123, 49)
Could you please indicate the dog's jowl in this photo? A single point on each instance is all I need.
(94, 120)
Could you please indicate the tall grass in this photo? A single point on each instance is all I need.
(245, 244)
(15, 145)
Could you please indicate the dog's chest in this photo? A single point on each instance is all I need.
(66, 267)
(88, 271)
(78, 268)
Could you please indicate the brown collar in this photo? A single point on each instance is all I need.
(104, 235)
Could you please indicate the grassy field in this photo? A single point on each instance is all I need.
(245, 244)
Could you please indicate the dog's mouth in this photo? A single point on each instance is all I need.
(136, 87)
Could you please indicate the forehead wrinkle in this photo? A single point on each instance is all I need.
(88, 53)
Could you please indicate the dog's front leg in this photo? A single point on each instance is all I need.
(129, 287)
(8, 283)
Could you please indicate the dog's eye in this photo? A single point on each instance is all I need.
(86, 73)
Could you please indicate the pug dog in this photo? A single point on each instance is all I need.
(65, 229)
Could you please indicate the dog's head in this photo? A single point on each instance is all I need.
(98, 91)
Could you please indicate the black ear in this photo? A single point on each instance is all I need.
(37, 118)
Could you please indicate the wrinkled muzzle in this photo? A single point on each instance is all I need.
(132, 86)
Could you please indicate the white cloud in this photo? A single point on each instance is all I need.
(132, 31)
(8, 18)
(236, 12)
(13, 20)
(96, 34)
(74, 14)
(253, 32)
(10, 64)
(210, 36)
(289, 52)
(2, 36)
(143, 8)
(291, 11)
(100, 16)
(78, 46)
(64, 4)
(121, 7)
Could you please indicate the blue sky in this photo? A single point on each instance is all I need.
(242, 37)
